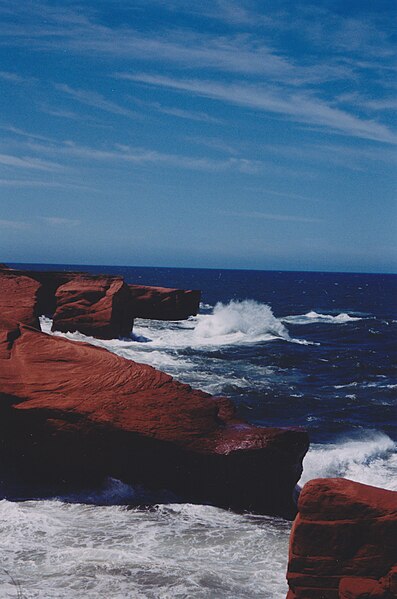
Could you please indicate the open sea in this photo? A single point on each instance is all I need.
(314, 350)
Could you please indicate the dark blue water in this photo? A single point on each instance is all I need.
(341, 381)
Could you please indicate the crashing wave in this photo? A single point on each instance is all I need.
(370, 459)
(313, 317)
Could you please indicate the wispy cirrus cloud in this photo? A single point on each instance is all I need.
(124, 154)
(35, 183)
(59, 221)
(297, 106)
(190, 115)
(15, 78)
(95, 100)
(291, 218)
(14, 224)
(244, 53)
(29, 162)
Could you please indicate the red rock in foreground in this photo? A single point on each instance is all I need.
(97, 306)
(162, 303)
(18, 299)
(343, 542)
(72, 412)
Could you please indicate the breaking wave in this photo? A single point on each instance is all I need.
(244, 321)
(313, 317)
(234, 323)
(370, 459)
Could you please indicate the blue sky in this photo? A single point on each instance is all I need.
(222, 133)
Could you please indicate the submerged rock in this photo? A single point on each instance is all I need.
(343, 541)
(73, 413)
(97, 306)
(162, 303)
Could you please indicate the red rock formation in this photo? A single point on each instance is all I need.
(49, 281)
(369, 588)
(98, 306)
(343, 530)
(74, 412)
(162, 303)
(18, 299)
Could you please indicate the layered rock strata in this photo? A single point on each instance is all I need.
(343, 542)
(73, 414)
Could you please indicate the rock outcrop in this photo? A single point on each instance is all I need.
(19, 297)
(97, 306)
(162, 303)
(73, 413)
(343, 542)
(49, 282)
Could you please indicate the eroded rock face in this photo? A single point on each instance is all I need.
(344, 531)
(74, 413)
(162, 303)
(18, 299)
(96, 306)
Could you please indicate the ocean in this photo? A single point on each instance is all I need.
(313, 350)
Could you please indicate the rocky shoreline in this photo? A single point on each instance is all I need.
(75, 414)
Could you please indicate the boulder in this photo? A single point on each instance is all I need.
(73, 414)
(344, 530)
(98, 306)
(18, 299)
(162, 303)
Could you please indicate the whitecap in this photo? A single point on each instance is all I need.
(313, 317)
(370, 459)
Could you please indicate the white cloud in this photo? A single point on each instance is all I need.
(28, 162)
(58, 221)
(297, 106)
(269, 216)
(14, 224)
(15, 78)
(95, 100)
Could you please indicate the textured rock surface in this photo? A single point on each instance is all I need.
(72, 413)
(164, 304)
(97, 306)
(18, 299)
(343, 530)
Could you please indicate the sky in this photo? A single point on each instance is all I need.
(212, 134)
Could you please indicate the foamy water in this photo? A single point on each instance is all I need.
(63, 551)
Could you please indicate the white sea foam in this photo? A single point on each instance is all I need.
(62, 551)
(313, 317)
(235, 323)
(370, 459)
